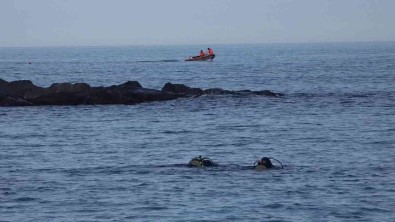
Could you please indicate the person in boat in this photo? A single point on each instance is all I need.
(210, 51)
(201, 162)
(263, 164)
(200, 55)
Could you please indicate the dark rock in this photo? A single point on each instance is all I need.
(16, 88)
(267, 93)
(3, 88)
(246, 91)
(32, 94)
(181, 89)
(19, 88)
(129, 85)
(3, 83)
(217, 91)
(103, 96)
(63, 89)
(147, 95)
(14, 101)
(69, 88)
(61, 98)
(25, 93)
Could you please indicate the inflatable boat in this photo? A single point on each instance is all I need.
(201, 58)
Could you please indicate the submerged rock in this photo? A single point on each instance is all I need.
(25, 93)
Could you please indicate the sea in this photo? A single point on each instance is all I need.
(333, 130)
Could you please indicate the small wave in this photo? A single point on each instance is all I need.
(25, 199)
(274, 206)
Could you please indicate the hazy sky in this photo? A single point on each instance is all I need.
(135, 22)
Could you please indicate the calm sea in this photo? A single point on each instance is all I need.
(334, 131)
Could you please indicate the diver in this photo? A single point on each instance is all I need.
(201, 162)
(210, 51)
(265, 164)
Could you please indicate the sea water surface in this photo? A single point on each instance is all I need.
(334, 131)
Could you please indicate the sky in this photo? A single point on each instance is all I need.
(173, 22)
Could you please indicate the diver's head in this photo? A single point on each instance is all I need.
(266, 162)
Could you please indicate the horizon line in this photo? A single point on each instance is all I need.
(192, 44)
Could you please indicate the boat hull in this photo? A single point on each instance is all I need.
(201, 58)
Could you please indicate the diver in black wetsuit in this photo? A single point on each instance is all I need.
(201, 162)
(265, 161)
(263, 164)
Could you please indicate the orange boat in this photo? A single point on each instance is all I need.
(201, 58)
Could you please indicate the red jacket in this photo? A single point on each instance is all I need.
(210, 51)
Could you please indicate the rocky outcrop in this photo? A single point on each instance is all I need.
(25, 93)
(181, 89)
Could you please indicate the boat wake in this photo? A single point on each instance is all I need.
(158, 61)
